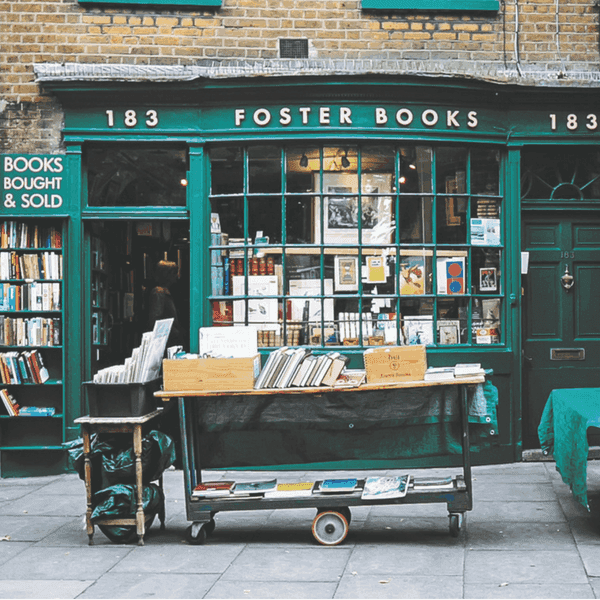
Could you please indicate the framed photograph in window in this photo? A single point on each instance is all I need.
(488, 280)
(448, 332)
(340, 208)
(346, 273)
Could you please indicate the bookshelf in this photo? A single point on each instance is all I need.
(31, 341)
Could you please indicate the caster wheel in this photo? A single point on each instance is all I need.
(210, 526)
(455, 523)
(196, 534)
(330, 528)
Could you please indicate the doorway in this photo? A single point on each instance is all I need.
(123, 255)
(561, 316)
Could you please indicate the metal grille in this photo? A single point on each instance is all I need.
(293, 48)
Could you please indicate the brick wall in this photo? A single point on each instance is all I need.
(33, 31)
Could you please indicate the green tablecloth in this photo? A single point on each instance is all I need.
(563, 433)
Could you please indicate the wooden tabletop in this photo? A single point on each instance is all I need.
(166, 395)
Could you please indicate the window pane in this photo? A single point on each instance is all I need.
(416, 170)
(485, 171)
(264, 168)
(416, 221)
(226, 170)
(136, 176)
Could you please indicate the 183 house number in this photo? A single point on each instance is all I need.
(572, 122)
(130, 118)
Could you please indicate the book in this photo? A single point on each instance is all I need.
(468, 370)
(305, 365)
(213, 489)
(36, 411)
(12, 408)
(292, 490)
(291, 367)
(350, 378)
(267, 370)
(321, 369)
(439, 374)
(337, 486)
(338, 363)
(313, 360)
(254, 488)
(283, 356)
(433, 483)
(383, 488)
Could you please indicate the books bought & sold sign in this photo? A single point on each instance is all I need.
(32, 183)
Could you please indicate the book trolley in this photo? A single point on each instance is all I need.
(331, 523)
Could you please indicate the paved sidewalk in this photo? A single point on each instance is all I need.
(525, 538)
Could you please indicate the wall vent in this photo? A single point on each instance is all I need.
(293, 48)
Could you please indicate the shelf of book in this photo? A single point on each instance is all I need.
(31, 350)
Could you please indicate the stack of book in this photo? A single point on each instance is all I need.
(23, 367)
(12, 408)
(234, 490)
(458, 371)
(298, 367)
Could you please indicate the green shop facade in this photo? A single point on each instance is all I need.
(338, 213)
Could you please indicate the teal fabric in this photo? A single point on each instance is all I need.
(563, 433)
(315, 428)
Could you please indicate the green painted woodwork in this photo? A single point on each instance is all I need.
(157, 3)
(555, 319)
(429, 5)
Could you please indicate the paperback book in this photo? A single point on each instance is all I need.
(337, 486)
(213, 489)
(292, 490)
(254, 488)
(384, 488)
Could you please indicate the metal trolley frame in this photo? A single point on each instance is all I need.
(331, 524)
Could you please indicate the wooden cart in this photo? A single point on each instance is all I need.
(331, 523)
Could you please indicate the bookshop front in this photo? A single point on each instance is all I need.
(347, 216)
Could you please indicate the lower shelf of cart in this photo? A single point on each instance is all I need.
(448, 494)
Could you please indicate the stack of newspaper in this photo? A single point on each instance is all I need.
(145, 361)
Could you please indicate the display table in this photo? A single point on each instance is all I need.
(563, 433)
(243, 420)
(131, 425)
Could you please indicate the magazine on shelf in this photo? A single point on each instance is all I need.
(383, 488)
(468, 370)
(254, 488)
(433, 483)
(439, 374)
(213, 489)
(292, 490)
(337, 486)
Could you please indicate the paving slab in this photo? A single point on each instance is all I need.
(541, 512)
(504, 535)
(43, 588)
(317, 564)
(131, 585)
(40, 505)
(522, 591)
(520, 566)
(399, 586)
(30, 528)
(421, 531)
(590, 554)
(10, 549)
(73, 563)
(179, 559)
(525, 492)
(12, 492)
(390, 559)
(307, 590)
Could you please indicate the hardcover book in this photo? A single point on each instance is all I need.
(337, 486)
(383, 488)
(213, 489)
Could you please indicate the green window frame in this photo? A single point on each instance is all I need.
(434, 225)
(441, 5)
(191, 3)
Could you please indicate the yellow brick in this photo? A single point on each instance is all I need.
(416, 35)
(166, 21)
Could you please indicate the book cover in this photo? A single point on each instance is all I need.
(213, 489)
(336, 486)
(468, 370)
(287, 490)
(254, 488)
(383, 488)
(36, 411)
(350, 378)
(302, 371)
(439, 374)
(338, 364)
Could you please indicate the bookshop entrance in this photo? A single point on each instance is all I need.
(138, 273)
(561, 322)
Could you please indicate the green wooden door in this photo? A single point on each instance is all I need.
(561, 326)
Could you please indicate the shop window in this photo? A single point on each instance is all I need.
(441, 5)
(136, 176)
(358, 245)
(560, 174)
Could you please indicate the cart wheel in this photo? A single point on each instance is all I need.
(455, 523)
(330, 528)
(210, 526)
(196, 534)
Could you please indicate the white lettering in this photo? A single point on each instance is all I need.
(240, 115)
(472, 122)
(41, 201)
(345, 115)
(39, 162)
(451, 118)
(381, 117)
(404, 116)
(285, 118)
(304, 111)
(324, 115)
(429, 117)
(261, 117)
